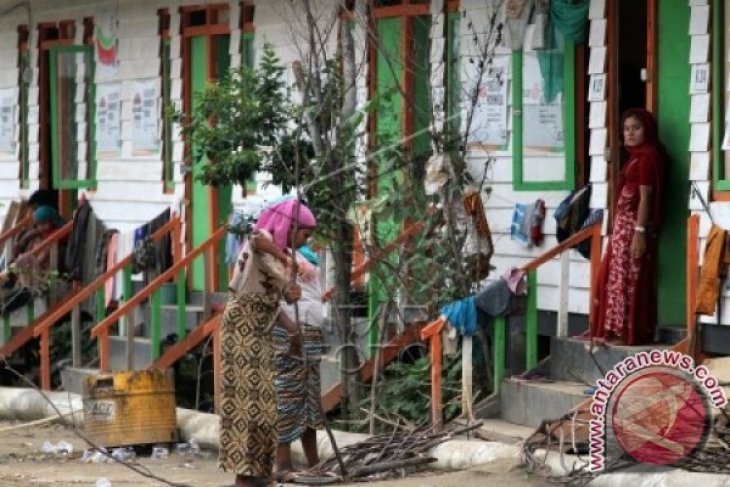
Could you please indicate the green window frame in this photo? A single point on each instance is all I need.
(61, 180)
(568, 112)
(168, 167)
(719, 66)
(453, 82)
(248, 59)
(23, 95)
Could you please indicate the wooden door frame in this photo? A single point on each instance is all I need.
(612, 78)
(187, 32)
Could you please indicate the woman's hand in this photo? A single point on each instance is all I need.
(638, 245)
(292, 293)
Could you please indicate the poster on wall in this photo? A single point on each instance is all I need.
(106, 43)
(542, 119)
(145, 117)
(8, 101)
(489, 123)
(108, 119)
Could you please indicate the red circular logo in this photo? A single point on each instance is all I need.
(659, 417)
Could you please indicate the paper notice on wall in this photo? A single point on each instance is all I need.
(489, 124)
(108, 118)
(8, 101)
(145, 117)
(542, 108)
(726, 138)
(699, 78)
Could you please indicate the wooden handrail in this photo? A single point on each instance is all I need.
(566, 244)
(404, 236)
(94, 285)
(432, 331)
(53, 238)
(15, 229)
(157, 282)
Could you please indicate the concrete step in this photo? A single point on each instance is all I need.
(72, 378)
(118, 353)
(527, 403)
(570, 359)
(193, 318)
(503, 431)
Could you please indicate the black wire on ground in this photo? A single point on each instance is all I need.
(137, 468)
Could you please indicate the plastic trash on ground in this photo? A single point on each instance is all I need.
(102, 482)
(124, 454)
(61, 448)
(95, 456)
(160, 452)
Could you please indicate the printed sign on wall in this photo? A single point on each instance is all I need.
(145, 117)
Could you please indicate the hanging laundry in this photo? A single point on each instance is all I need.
(527, 223)
(714, 270)
(75, 251)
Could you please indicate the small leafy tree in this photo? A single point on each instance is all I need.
(237, 116)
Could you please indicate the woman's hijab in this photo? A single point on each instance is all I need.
(48, 214)
(279, 218)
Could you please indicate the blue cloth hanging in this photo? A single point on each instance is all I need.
(462, 315)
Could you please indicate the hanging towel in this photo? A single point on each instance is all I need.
(462, 315)
(111, 260)
(517, 230)
(714, 269)
(75, 252)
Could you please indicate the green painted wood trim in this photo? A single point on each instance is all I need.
(517, 87)
(181, 299)
(91, 117)
(499, 342)
(453, 89)
(7, 329)
(88, 182)
(127, 291)
(155, 323)
(168, 172)
(248, 59)
(24, 143)
(100, 306)
(531, 322)
(719, 178)
(569, 126)
(673, 110)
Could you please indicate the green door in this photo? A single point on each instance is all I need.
(209, 60)
(674, 131)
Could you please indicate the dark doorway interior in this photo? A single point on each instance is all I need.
(632, 40)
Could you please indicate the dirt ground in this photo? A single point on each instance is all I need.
(22, 464)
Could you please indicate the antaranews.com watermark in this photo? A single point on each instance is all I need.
(655, 406)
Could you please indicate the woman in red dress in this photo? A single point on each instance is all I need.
(625, 304)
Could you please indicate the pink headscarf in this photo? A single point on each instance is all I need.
(278, 218)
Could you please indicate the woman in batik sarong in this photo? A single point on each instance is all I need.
(248, 428)
(298, 347)
(625, 303)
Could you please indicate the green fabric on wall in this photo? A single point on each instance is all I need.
(570, 17)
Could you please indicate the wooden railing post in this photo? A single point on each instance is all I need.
(131, 323)
(531, 322)
(155, 324)
(76, 337)
(562, 329)
(104, 350)
(436, 353)
(595, 267)
(499, 343)
(693, 259)
(208, 280)
(45, 354)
